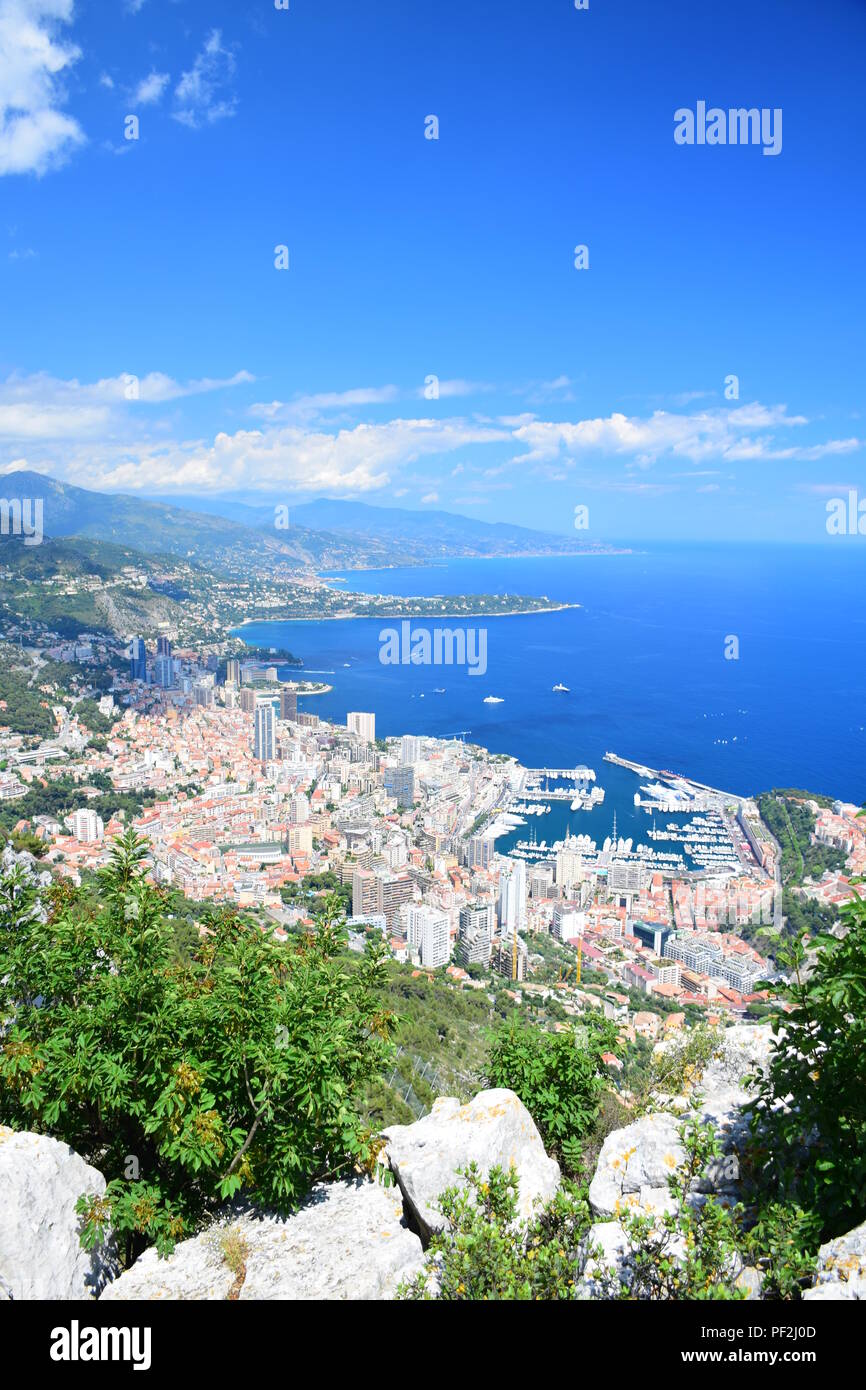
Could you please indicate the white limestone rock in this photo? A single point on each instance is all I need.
(493, 1129)
(349, 1240)
(841, 1268)
(634, 1166)
(41, 1256)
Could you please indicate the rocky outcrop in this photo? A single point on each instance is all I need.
(841, 1272)
(356, 1239)
(349, 1240)
(636, 1162)
(40, 1251)
(495, 1128)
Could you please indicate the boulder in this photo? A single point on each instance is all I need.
(841, 1270)
(494, 1129)
(634, 1166)
(41, 1256)
(348, 1240)
(636, 1162)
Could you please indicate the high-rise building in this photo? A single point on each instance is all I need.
(410, 749)
(475, 934)
(399, 782)
(300, 839)
(364, 725)
(429, 933)
(137, 660)
(233, 671)
(393, 890)
(202, 694)
(480, 852)
(288, 703)
(512, 896)
(87, 826)
(570, 867)
(248, 700)
(163, 669)
(365, 892)
(264, 745)
(163, 646)
(510, 961)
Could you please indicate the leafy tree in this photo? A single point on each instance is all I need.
(809, 1120)
(560, 1077)
(186, 1081)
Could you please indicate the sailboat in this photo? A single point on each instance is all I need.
(562, 687)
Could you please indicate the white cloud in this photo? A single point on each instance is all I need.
(205, 94)
(324, 401)
(111, 434)
(106, 81)
(35, 134)
(44, 407)
(149, 91)
(744, 433)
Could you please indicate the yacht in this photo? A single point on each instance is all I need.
(494, 700)
(561, 687)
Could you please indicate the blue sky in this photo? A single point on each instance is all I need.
(148, 343)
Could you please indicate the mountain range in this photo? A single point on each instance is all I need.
(322, 534)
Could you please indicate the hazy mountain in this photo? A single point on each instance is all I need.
(397, 531)
(159, 528)
(430, 532)
(225, 534)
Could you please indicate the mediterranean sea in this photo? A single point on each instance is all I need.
(644, 661)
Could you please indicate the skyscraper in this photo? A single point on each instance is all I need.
(364, 725)
(288, 703)
(410, 749)
(137, 660)
(263, 741)
(480, 852)
(512, 896)
(163, 646)
(476, 934)
(399, 782)
(428, 931)
(233, 671)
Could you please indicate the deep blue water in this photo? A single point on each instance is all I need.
(643, 658)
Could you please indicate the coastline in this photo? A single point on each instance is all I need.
(406, 617)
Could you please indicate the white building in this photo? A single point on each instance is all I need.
(87, 826)
(428, 931)
(364, 725)
(410, 750)
(512, 897)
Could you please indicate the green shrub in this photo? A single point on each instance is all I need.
(810, 1119)
(240, 1068)
(560, 1077)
